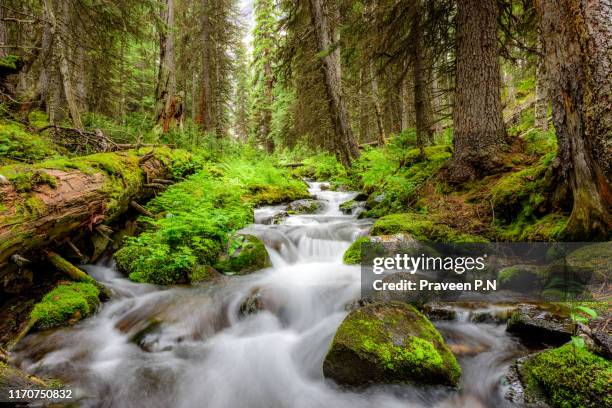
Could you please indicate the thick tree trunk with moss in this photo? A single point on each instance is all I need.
(328, 47)
(46, 205)
(477, 113)
(576, 36)
(3, 37)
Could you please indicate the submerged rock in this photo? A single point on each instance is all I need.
(245, 254)
(352, 207)
(536, 325)
(389, 342)
(305, 206)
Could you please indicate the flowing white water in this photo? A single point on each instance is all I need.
(192, 347)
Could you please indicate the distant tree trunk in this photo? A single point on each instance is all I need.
(3, 36)
(205, 115)
(541, 96)
(59, 46)
(269, 100)
(327, 44)
(576, 36)
(166, 76)
(477, 115)
(377, 108)
(407, 101)
(422, 105)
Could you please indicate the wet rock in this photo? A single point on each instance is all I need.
(389, 342)
(515, 392)
(352, 207)
(257, 301)
(245, 254)
(496, 316)
(436, 311)
(361, 197)
(374, 199)
(305, 206)
(12, 378)
(356, 304)
(204, 273)
(389, 243)
(538, 326)
(324, 186)
(601, 334)
(148, 335)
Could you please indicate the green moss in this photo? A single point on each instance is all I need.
(401, 343)
(67, 302)
(545, 229)
(9, 64)
(246, 253)
(422, 228)
(26, 182)
(16, 143)
(38, 119)
(352, 256)
(570, 377)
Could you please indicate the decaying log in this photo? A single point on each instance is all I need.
(146, 157)
(67, 268)
(78, 201)
(76, 250)
(155, 186)
(139, 208)
(291, 165)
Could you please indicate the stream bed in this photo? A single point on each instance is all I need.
(198, 347)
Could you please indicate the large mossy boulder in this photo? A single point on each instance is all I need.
(68, 303)
(422, 228)
(568, 377)
(245, 254)
(389, 342)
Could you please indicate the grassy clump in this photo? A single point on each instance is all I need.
(422, 228)
(198, 215)
(246, 253)
(570, 377)
(66, 303)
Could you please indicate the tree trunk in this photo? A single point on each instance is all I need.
(576, 36)
(477, 114)
(407, 101)
(377, 108)
(328, 47)
(269, 100)
(3, 36)
(78, 201)
(421, 102)
(541, 96)
(59, 45)
(205, 115)
(166, 77)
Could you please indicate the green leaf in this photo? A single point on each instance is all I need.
(588, 311)
(578, 342)
(578, 318)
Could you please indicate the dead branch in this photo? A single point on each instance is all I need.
(139, 208)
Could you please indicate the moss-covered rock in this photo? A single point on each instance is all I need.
(352, 256)
(569, 377)
(306, 206)
(245, 254)
(421, 228)
(68, 303)
(520, 277)
(13, 379)
(389, 343)
(593, 262)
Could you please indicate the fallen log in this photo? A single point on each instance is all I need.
(140, 209)
(64, 199)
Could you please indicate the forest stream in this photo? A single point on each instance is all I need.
(204, 345)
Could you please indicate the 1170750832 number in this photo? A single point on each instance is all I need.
(38, 394)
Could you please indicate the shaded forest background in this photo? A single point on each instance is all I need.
(487, 77)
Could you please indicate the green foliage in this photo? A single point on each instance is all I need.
(26, 182)
(570, 377)
(198, 214)
(246, 254)
(9, 64)
(67, 302)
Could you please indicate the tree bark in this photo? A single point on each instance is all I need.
(328, 47)
(576, 38)
(377, 108)
(3, 36)
(477, 114)
(59, 49)
(205, 114)
(422, 105)
(541, 96)
(166, 77)
(78, 201)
